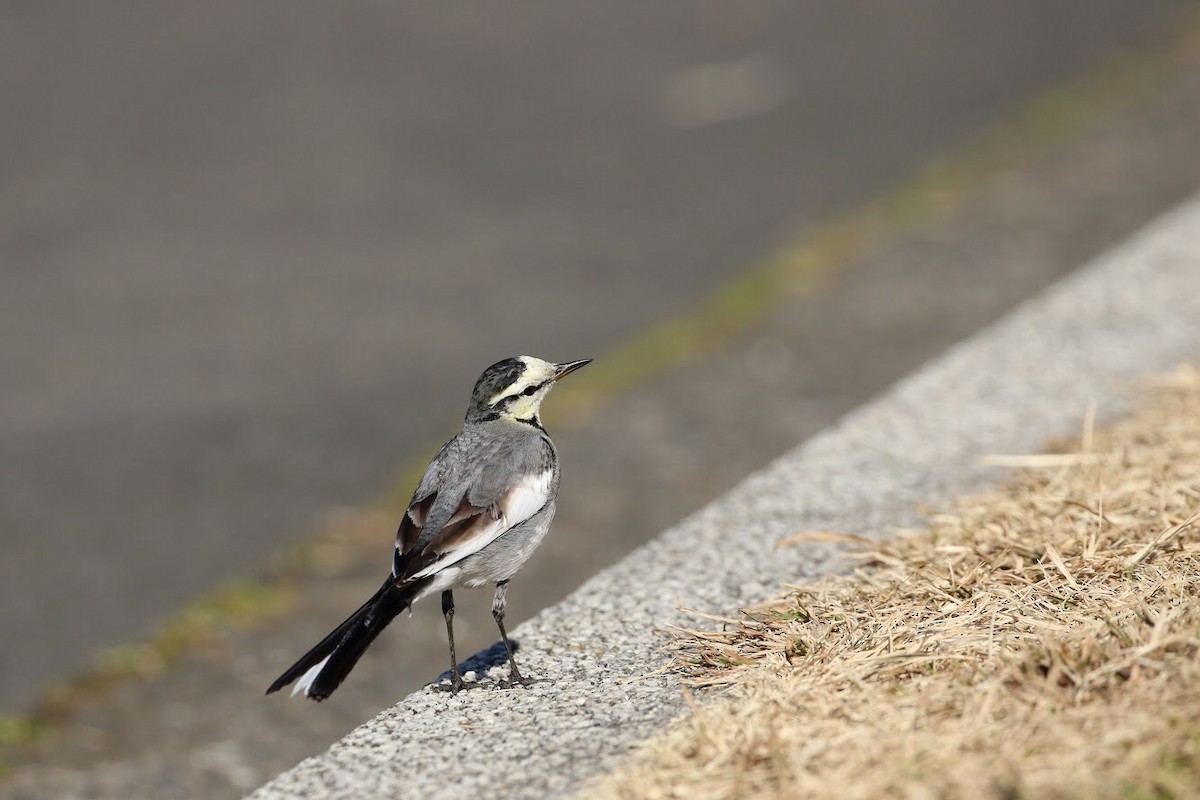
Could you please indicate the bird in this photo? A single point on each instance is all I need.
(482, 507)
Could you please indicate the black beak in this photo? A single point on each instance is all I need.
(561, 370)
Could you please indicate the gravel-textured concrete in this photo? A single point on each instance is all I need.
(1096, 335)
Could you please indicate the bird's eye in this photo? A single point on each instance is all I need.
(529, 391)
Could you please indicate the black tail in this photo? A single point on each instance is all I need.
(348, 641)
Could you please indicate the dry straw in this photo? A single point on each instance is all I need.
(1040, 641)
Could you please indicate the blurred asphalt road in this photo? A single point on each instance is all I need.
(255, 254)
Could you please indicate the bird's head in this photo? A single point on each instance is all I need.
(515, 387)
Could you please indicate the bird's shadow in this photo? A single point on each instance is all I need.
(482, 661)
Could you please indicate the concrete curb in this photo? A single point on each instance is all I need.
(1095, 336)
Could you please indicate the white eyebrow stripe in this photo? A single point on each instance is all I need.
(511, 391)
(517, 389)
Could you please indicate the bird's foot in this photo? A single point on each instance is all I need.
(455, 685)
(516, 679)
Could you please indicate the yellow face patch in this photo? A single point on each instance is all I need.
(523, 398)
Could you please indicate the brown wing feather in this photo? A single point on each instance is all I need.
(412, 523)
(468, 521)
(419, 548)
(463, 523)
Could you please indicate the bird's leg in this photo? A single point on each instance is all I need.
(499, 604)
(456, 682)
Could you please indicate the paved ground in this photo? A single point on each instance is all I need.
(203, 730)
(255, 253)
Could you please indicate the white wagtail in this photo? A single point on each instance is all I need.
(480, 511)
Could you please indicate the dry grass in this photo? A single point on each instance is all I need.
(1040, 641)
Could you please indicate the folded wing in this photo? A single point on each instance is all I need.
(469, 528)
